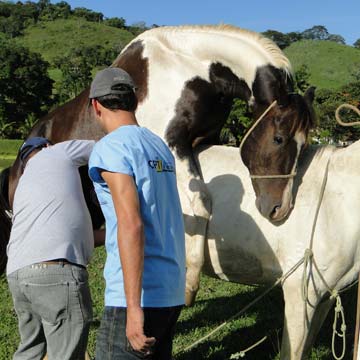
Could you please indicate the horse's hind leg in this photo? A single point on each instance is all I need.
(196, 205)
(301, 323)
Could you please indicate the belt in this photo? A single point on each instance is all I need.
(61, 262)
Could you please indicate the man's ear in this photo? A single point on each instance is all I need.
(95, 105)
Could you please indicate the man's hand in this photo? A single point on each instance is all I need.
(135, 331)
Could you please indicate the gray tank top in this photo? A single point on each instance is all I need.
(50, 217)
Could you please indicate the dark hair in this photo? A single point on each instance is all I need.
(126, 100)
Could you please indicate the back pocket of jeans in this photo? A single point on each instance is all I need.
(49, 301)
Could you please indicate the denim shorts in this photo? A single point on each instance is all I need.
(112, 344)
(54, 310)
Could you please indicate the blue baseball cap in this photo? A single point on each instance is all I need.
(31, 144)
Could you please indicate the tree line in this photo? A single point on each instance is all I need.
(317, 32)
(15, 17)
(28, 92)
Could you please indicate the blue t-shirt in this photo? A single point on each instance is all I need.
(137, 152)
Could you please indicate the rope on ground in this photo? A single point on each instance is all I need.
(242, 353)
(276, 283)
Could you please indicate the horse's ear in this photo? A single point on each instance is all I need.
(284, 87)
(309, 95)
(282, 97)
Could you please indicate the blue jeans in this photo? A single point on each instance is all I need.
(112, 344)
(54, 310)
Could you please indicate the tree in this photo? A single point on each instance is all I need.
(6, 8)
(15, 17)
(76, 76)
(294, 36)
(302, 76)
(278, 37)
(336, 38)
(357, 44)
(317, 32)
(26, 89)
(89, 15)
(326, 102)
(237, 123)
(6, 128)
(11, 26)
(116, 22)
(137, 28)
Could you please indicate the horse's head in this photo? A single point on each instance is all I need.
(272, 148)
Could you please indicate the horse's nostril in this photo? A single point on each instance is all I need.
(274, 211)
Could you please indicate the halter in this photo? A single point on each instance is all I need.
(285, 176)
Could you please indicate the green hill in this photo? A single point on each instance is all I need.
(331, 65)
(56, 38)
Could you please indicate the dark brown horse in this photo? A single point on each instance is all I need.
(5, 226)
(187, 78)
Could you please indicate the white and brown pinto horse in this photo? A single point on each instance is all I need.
(242, 246)
(187, 78)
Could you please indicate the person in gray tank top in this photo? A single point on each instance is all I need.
(50, 244)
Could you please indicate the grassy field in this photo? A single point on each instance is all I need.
(216, 302)
(8, 151)
(56, 38)
(331, 65)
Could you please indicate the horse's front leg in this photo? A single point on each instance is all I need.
(302, 320)
(196, 205)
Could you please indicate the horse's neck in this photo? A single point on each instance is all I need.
(346, 161)
(231, 46)
(339, 166)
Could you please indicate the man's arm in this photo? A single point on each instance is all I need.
(99, 237)
(79, 150)
(131, 247)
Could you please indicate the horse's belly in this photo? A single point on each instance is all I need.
(246, 258)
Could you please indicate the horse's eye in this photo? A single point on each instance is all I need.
(278, 140)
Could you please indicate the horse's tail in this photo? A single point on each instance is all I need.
(5, 220)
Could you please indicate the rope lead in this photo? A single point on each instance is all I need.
(339, 310)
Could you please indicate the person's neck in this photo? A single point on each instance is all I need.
(119, 118)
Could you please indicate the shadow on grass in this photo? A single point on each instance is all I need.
(263, 319)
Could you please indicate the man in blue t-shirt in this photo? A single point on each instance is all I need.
(133, 172)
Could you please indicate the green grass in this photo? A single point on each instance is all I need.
(8, 151)
(217, 301)
(56, 38)
(331, 65)
(9, 147)
(4, 163)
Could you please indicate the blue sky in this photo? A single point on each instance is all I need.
(340, 17)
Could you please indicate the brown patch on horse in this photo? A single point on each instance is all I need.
(203, 109)
(5, 226)
(73, 120)
(134, 63)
